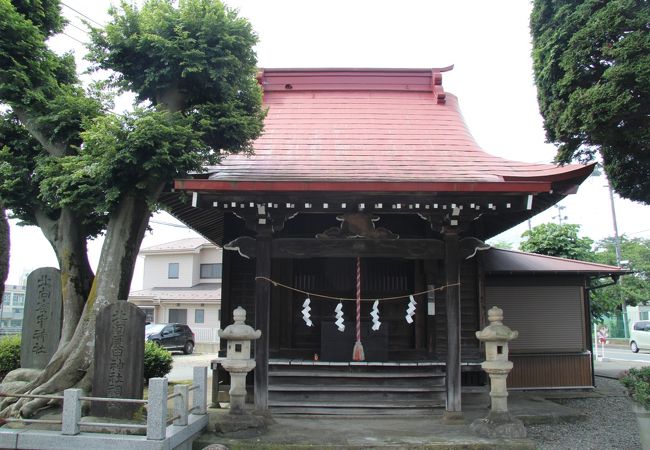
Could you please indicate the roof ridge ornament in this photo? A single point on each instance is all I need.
(436, 86)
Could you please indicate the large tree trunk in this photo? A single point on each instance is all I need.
(4, 250)
(67, 238)
(72, 365)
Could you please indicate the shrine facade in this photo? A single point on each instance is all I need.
(362, 216)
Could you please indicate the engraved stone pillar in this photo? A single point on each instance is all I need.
(42, 319)
(499, 422)
(238, 360)
(119, 359)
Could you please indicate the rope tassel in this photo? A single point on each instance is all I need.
(357, 351)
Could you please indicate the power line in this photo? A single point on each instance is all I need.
(638, 232)
(70, 24)
(73, 38)
(81, 14)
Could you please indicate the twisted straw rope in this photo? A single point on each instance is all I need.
(329, 297)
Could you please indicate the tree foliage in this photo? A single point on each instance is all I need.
(504, 245)
(75, 170)
(633, 289)
(557, 240)
(592, 71)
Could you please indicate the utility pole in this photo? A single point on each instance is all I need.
(617, 247)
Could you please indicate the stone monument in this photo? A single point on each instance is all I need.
(499, 423)
(119, 359)
(42, 318)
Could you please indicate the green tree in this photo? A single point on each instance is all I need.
(557, 240)
(633, 289)
(592, 71)
(76, 171)
(504, 245)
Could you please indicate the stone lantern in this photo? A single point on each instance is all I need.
(238, 360)
(499, 422)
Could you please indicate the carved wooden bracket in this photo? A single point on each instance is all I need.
(357, 225)
(265, 219)
(245, 245)
(470, 246)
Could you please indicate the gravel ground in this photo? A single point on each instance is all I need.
(610, 423)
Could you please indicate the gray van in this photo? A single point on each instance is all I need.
(640, 336)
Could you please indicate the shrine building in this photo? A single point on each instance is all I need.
(362, 216)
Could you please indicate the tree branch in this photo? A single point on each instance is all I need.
(54, 149)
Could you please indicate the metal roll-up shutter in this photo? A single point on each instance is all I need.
(548, 318)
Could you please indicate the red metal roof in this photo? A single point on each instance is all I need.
(354, 129)
(509, 261)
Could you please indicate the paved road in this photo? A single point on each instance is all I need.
(624, 354)
(183, 365)
(619, 358)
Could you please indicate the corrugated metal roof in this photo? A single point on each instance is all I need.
(509, 261)
(189, 244)
(203, 292)
(370, 125)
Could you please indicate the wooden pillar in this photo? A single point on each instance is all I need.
(262, 322)
(452, 277)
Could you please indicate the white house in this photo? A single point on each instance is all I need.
(182, 284)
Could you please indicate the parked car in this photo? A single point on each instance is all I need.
(172, 336)
(640, 336)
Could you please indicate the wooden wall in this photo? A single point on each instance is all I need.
(550, 370)
(469, 309)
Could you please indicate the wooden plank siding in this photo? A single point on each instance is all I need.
(470, 346)
(241, 288)
(550, 370)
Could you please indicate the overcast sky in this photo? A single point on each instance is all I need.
(488, 42)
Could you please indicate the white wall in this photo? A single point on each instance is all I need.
(156, 266)
(210, 255)
(211, 313)
(206, 256)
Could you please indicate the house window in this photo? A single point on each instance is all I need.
(178, 316)
(148, 315)
(199, 316)
(210, 270)
(172, 270)
(19, 300)
(643, 315)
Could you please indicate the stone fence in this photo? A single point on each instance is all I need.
(162, 432)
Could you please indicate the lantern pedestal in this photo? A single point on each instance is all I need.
(499, 423)
(238, 361)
